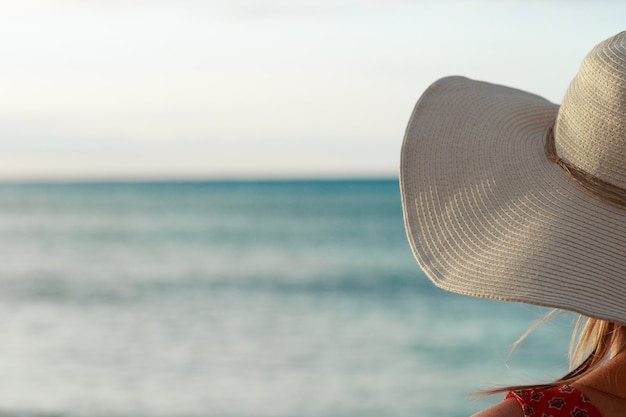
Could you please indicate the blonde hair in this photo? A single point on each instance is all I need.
(593, 342)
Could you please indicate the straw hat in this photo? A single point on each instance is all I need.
(492, 211)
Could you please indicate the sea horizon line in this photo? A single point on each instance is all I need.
(199, 180)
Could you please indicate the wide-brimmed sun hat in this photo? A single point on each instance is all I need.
(511, 197)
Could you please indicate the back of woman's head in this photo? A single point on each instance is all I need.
(593, 342)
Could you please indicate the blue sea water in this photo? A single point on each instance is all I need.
(241, 299)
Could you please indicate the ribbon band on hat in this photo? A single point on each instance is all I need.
(598, 187)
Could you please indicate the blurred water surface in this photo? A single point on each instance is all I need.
(237, 299)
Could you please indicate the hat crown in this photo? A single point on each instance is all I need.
(590, 130)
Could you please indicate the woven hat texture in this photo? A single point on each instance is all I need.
(488, 214)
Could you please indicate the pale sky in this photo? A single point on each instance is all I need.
(112, 89)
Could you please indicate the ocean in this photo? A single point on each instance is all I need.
(241, 299)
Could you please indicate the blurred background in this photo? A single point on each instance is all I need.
(200, 215)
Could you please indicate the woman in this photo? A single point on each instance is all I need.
(508, 196)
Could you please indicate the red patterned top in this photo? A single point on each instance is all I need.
(561, 401)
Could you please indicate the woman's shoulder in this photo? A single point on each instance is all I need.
(506, 408)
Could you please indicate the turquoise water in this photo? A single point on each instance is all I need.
(237, 299)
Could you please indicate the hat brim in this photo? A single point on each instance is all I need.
(488, 215)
